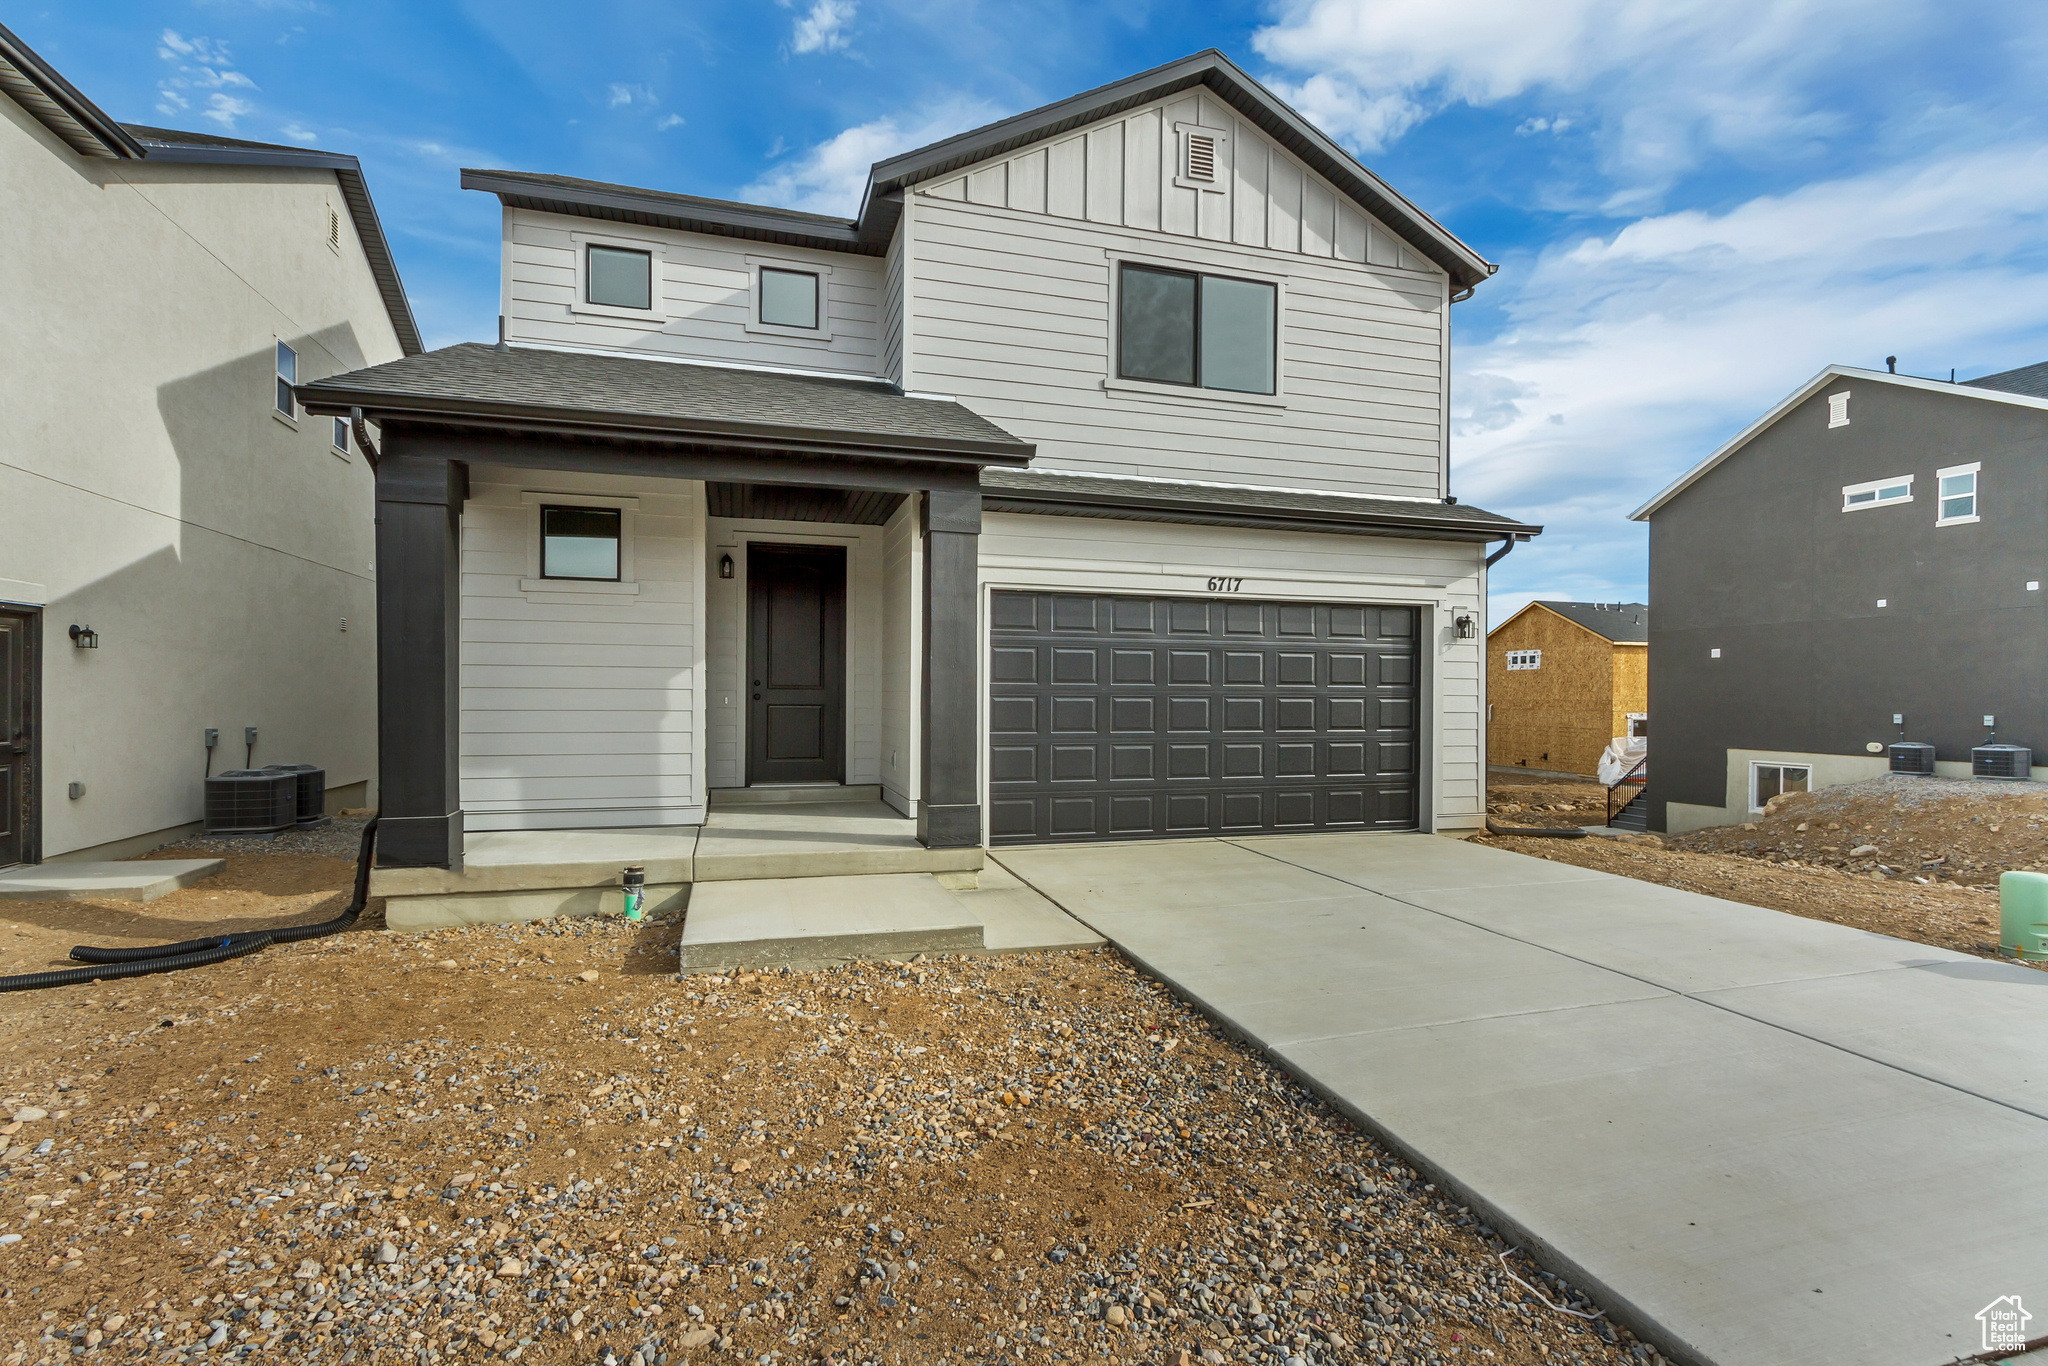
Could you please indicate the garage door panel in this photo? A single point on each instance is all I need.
(1126, 718)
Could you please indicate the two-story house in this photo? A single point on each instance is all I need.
(185, 553)
(1089, 485)
(1862, 565)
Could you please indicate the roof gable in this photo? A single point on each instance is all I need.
(1617, 623)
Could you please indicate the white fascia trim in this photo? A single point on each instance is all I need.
(708, 364)
(1235, 488)
(1972, 468)
(1806, 391)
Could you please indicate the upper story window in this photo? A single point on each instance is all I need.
(618, 278)
(1525, 659)
(789, 298)
(287, 376)
(1957, 491)
(1877, 493)
(580, 542)
(341, 435)
(1204, 331)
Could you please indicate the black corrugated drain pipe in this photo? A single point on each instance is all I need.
(143, 961)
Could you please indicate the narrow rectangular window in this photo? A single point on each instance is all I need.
(579, 543)
(618, 278)
(789, 298)
(287, 376)
(341, 435)
(1772, 780)
(1204, 331)
(1877, 493)
(1957, 487)
(1525, 659)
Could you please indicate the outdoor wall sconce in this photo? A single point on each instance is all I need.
(1467, 627)
(85, 638)
(725, 566)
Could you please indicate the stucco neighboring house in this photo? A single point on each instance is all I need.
(180, 542)
(1861, 565)
(1564, 680)
(1089, 484)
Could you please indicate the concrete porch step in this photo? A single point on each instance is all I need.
(128, 880)
(784, 794)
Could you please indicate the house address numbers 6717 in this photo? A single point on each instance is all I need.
(1226, 585)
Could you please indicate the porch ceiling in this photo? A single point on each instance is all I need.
(621, 396)
(801, 503)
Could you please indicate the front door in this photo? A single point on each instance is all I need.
(18, 779)
(796, 664)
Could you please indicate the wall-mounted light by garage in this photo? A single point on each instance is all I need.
(1467, 627)
(84, 637)
(725, 566)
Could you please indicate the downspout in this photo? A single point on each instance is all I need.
(1501, 554)
(375, 456)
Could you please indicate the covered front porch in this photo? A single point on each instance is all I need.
(544, 725)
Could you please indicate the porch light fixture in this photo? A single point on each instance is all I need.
(1467, 627)
(84, 637)
(725, 566)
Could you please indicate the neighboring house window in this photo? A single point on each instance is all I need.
(341, 435)
(1877, 493)
(789, 298)
(1525, 659)
(619, 278)
(287, 376)
(1638, 726)
(1957, 487)
(1771, 780)
(1838, 410)
(579, 543)
(1204, 331)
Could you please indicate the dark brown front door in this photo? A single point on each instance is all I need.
(796, 664)
(18, 777)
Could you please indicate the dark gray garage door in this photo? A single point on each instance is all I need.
(1134, 718)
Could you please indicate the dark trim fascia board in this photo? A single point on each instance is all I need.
(83, 125)
(624, 204)
(1139, 509)
(355, 192)
(583, 456)
(1258, 104)
(521, 418)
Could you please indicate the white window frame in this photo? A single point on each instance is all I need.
(1115, 384)
(1838, 409)
(823, 331)
(1630, 732)
(1877, 486)
(1525, 659)
(289, 417)
(1972, 469)
(1221, 136)
(1755, 765)
(656, 251)
(534, 585)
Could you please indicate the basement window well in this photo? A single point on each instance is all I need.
(1772, 780)
(1877, 493)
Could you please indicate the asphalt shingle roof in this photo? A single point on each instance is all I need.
(2031, 380)
(620, 391)
(1042, 489)
(1624, 623)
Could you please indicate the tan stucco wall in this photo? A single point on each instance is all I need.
(147, 490)
(1557, 717)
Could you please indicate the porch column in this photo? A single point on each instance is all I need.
(419, 697)
(949, 806)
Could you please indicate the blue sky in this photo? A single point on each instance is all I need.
(1696, 204)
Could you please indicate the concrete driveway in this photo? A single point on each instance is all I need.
(1760, 1139)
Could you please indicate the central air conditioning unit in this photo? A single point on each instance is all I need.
(1911, 756)
(251, 801)
(312, 790)
(2011, 763)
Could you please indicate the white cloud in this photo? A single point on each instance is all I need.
(824, 28)
(620, 95)
(298, 134)
(201, 63)
(831, 177)
(668, 121)
(225, 109)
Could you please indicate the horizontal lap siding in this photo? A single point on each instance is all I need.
(580, 708)
(705, 295)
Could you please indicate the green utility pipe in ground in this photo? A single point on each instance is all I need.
(2023, 915)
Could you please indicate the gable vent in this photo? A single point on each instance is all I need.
(333, 229)
(1838, 410)
(1201, 157)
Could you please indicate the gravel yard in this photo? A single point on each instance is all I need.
(533, 1143)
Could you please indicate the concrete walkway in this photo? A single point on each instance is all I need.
(1757, 1139)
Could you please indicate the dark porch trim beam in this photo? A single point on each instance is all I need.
(419, 692)
(949, 811)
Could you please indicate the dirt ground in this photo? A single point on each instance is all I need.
(534, 1143)
(1916, 858)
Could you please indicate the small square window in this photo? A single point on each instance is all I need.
(618, 278)
(1774, 780)
(1638, 726)
(579, 543)
(1956, 488)
(789, 298)
(287, 376)
(341, 435)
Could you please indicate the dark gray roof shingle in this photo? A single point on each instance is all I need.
(1624, 623)
(649, 395)
(2031, 380)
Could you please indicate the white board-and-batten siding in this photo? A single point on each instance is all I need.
(580, 707)
(1098, 555)
(703, 294)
